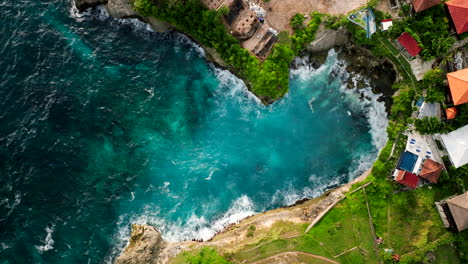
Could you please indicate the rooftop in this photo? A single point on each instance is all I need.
(456, 143)
(409, 43)
(408, 179)
(459, 208)
(420, 5)
(431, 170)
(451, 112)
(459, 12)
(458, 83)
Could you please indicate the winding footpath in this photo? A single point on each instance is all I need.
(267, 260)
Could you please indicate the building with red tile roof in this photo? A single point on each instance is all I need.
(451, 112)
(458, 83)
(459, 12)
(420, 5)
(409, 43)
(431, 170)
(408, 179)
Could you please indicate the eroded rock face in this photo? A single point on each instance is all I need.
(83, 4)
(145, 246)
(327, 39)
(121, 8)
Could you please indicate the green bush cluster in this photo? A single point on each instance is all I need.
(251, 231)
(418, 255)
(401, 107)
(306, 34)
(268, 80)
(433, 82)
(430, 28)
(206, 255)
(297, 22)
(430, 125)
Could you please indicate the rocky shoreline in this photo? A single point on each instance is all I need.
(146, 244)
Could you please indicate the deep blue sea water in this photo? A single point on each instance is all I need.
(104, 123)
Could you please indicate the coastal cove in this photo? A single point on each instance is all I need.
(382, 76)
(137, 126)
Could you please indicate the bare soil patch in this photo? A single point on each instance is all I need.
(279, 12)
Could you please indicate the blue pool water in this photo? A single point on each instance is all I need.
(104, 123)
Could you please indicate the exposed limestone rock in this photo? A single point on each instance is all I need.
(327, 39)
(121, 8)
(125, 9)
(144, 246)
(83, 4)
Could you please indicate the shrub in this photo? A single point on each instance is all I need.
(430, 125)
(433, 81)
(206, 255)
(401, 107)
(297, 22)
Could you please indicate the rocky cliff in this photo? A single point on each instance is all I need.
(144, 246)
(147, 246)
(122, 9)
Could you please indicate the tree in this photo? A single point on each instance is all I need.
(430, 125)
(297, 22)
(433, 82)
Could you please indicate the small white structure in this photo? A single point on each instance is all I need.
(386, 24)
(456, 143)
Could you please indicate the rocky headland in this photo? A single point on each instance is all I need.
(147, 246)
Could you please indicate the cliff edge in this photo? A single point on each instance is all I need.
(144, 246)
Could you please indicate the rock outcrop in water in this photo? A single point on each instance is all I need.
(123, 9)
(144, 246)
(83, 4)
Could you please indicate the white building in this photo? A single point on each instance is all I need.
(386, 24)
(456, 143)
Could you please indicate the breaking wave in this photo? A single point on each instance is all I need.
(48, 242)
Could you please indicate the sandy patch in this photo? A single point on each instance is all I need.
(280, 12)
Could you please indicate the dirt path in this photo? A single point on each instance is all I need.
(296, 253)
(371, 222)
(279, 12)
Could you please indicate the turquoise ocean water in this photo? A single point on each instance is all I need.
(104, 123)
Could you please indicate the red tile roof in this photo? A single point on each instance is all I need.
(451, 112)
(387, 20)
(431, 170)
(408, 179)
(420, 5)
(409, 43)
(459, 13)
(458, 83)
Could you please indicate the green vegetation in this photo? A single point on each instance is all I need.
(429, 28)
(433, 82)
(430, 125)
(401, 107)
(206, 255)
(251, 231)
(297, 22)
(269, 80)
(304, 35)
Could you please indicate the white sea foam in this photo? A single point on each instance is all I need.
(48, 242)
(291, 195)
(100, 13)
(359, 101)
(196, 227)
